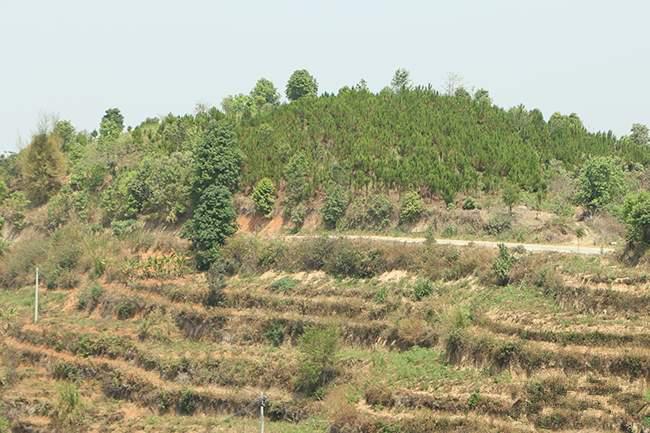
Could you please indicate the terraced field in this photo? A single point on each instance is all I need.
(568, 354)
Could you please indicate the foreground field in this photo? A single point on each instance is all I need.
(565, 347)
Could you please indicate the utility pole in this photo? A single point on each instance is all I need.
(36, 298)
(262, 401)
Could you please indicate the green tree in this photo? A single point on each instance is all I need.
(264, 196)
(217, 159)
(401, 80)
(65, 131)
(213, 220)
(239, 106)
(43, 168)
(265, 92)
(640, 135)
(296, 174)
(111, 125)
(217, 165)
(336, 202)
(636, 214)
(600, 182)
(511, 195)
(300, 84)
(318, 349)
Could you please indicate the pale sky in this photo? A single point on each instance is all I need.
(75, 58)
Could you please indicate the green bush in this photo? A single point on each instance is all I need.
(187, 403)
(283, 284)
(126, 309)
(336, 202)
(411, 208)
(636, 214)
(274, 332)
(502, 265)
(5, 426)
(69, 410)
(216, 283)
(497, 225)
(379, 212)
(469, 204)
(13, 210)
(422, 289)
(264, 196)
(601, 182)
(318, 349)
(297, 216)
(121, 228)
(474, 399)
(89, 298)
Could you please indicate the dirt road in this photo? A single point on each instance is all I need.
(533, 248)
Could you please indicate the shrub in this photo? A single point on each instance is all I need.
(13, 210)
(469, 204)
(474, 399)
(69, 411)
(89, 298)
(126, 309)
(511, 196)
(283, 284)
(187, 403)
(502, 265)
(17, 267)
(336, 202)
(379, 211)
(318, 351)
(636, 214)
(274, 332)
(216, 283)
(297, 216)
(411, 208)
(600, 182)
(121, 228)
(422, 289)
(264, 196)
(497, 225)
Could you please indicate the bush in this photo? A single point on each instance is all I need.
(216, 283)
(379, 212)
(69, 411)
(297, 216)
(502, 265)
(126, 309)
(13, 210)
(187, 403)
(89, 298)
(121, 228)
(636, 214)
(469, 204)
(497, 225)
(474, 399)
(274, 332)
(411, 208)
(264, 196)
(283, 284)
(336, 202)
(600, 183)
(422, 289)
(318, 349)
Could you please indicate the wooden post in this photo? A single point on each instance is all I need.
(36, 298)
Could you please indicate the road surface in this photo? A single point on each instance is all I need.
(533, 248)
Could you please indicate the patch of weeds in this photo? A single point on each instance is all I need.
(126, 309)
(187, 403)
(274, 333)
(380, 295)
(474, 399)
(422, 289)
(69, 411)
(283, 284)
(89, 298)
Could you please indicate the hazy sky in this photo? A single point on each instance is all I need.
(75, 58)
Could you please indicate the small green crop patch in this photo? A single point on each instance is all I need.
(417, 367)
(283, 285)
